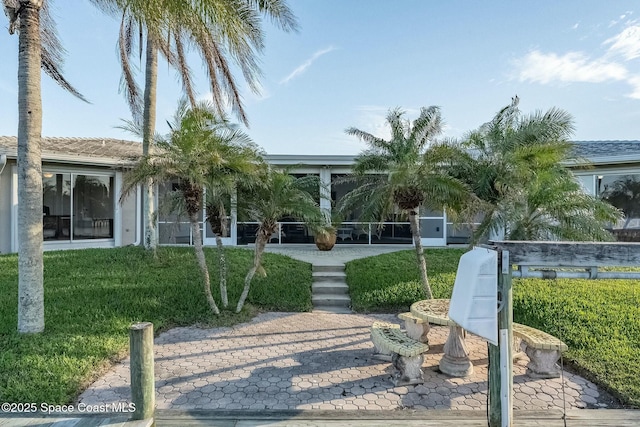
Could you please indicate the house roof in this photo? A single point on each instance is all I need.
(118, 152)
(87, 151)
(608, 152)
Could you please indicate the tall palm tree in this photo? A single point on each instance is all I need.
(516, 169)
(279, 195)
(195, 149)
(406, 172)
(39, 48)
(214, 29)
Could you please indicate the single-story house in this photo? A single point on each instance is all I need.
(82, 179)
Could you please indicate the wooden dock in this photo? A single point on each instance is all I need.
(71, 420)
(316, 418)
(406, 418)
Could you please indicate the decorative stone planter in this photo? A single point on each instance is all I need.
(325, 240)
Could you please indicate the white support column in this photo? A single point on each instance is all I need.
(233, 232)
(117, 211)
(325, 189)
(14, 209)
(444, 226)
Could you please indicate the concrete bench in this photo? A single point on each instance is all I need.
(543, 350)
(455, 361)
(416, 328)
(407, 354)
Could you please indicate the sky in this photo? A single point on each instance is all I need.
(354, 60)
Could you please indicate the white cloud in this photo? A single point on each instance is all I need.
(545, 68)
(626, 43)
(635, 84)
(611, 66)
(373, 119)
(306, 64)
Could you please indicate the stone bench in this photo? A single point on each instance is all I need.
(416, 328)
(406, 353)
(455, 360)
(543, 350)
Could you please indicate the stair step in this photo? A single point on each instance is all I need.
(329, 288)
(328, 268)
(333, 310)
(329, 276)
(331, 300)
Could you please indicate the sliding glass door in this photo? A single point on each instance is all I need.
(77, 206)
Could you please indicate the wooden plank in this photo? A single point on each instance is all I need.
(572, 254)
(81, 420)
(408, 418)
(369, 423)
(604, 414)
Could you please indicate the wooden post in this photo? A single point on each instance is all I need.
(142, 373)
(505, 325)
(501, 357)
(495, 405)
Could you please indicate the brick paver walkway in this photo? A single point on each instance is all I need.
(318, 361)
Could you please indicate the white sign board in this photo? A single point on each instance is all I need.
(475, 294)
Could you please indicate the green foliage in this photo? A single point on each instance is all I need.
(391, 282)
(518, 173)
(408, 171)
(598, 319)
(92, 297)
(226, 35)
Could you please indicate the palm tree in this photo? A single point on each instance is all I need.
(242, 162)
(279, 195)
(406, 172)
(39, 48)
(516, 169)
(212, 28)
(196, 148)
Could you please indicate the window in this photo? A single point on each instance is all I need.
(623, 192)
(56, 209)
(77, 207)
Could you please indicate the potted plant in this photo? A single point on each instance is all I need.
(325, 237)
(326, 231)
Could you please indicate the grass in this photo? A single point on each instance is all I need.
(390, 283)
(93, 296)
(598, 319)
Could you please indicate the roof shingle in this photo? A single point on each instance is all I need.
(94, 148)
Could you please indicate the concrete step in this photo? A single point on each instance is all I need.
(333, 310)
(331, 300)
(328, 268)
(319, 288)
(329, 276)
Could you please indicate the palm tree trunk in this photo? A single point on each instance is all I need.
(30, 259)
(148, 130)
(202, 263)
(223, 271)
(422, 263)
(261, 242)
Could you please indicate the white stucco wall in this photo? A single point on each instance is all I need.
(129, 222)
(5, 207)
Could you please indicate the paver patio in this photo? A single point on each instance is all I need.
(319, 361)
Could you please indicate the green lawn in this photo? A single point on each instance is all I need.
(92, 296)
(598, 319)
